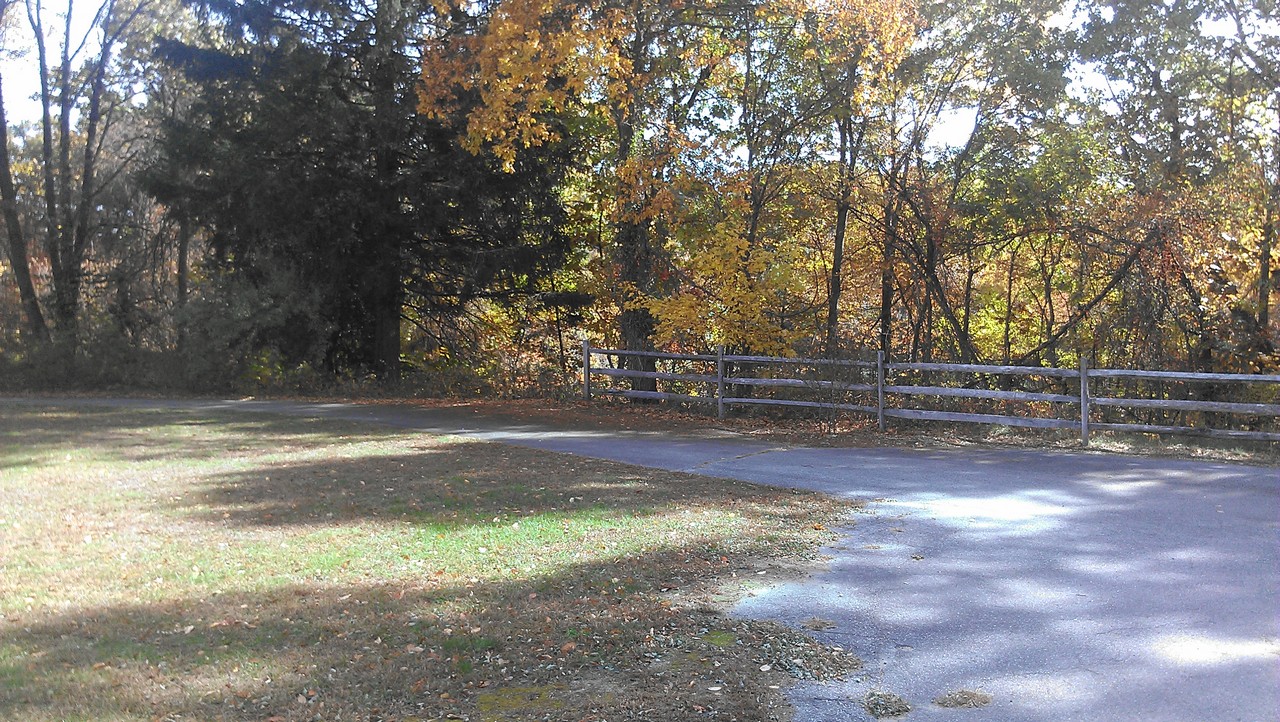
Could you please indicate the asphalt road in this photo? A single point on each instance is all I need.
(1068, 586)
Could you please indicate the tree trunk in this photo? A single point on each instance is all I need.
(834, 287)
(1050, 316)
(1008, 305)
(53, 217)
(387, 300)
(848, 156)
(635, 263)
(386, 290)
(184, 272)
(970, 275)
(886, 278)
(633, 255)
(931, 271)
(66, 267)
(1270, 230)
(1264, 264)
(17, 239)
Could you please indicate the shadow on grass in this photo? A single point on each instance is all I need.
(597, 640)
(461, 483)
(137, 435)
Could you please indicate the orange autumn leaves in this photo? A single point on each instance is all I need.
(526, 60)
(666, 86)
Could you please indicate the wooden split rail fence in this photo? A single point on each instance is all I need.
(873, 383)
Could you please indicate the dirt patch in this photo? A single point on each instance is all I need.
(963, 698)
(885, 704)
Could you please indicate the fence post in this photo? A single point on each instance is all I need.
(880, 389)
(586, 369)
(720, 382)
(1084, 400)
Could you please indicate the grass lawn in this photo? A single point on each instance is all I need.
(166, 565)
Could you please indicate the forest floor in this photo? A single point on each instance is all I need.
(169, 564)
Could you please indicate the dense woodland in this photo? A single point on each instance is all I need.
(225, 193)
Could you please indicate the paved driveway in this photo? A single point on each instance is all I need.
(1069, 586)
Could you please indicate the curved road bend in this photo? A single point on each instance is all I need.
(1068, 586)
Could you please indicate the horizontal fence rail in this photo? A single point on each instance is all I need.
(878, 388)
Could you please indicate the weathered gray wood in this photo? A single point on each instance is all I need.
(1229, 407)
(1185, 376)
(662, 375)
(982, 369)
(720, 382)
(880, 387)
(979, 394)
(660, 395)
(1190, 431)
(880, 379)
(809, 404)
(586, 369)
(653, 354)
(980, 418)
(1084, 400)
(800, 384)
(803, 361)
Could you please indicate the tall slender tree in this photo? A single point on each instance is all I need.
(15, 234)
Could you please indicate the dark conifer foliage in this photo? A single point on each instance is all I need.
(321, 188)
